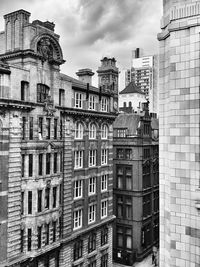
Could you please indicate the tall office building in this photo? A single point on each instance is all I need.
(179, 134)
(144, 72)
(55, 152)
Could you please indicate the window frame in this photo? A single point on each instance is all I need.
(77, 220)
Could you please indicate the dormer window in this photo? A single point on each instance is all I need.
(42, 92)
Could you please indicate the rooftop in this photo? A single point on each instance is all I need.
(131, 88)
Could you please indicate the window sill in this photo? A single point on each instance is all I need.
(92, 253)
(77, 262)
(103, 247)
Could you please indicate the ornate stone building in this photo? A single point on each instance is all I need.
(55, 152)
(179, 133)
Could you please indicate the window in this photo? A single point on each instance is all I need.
(29, 202)
(92, 102)
(24, 90)
(128, 208)
(121, 133)
(120, 177)
(30, 165)
(124, 237)
(92, 158)
(78, 249)
(23, 128)
(54, 196)
(55, 162)
(128, 153)
(124, 207)
(22, 203)
(54, 231)
(40, 164)
(48, 163)
(146, 129)
(92, 186)
(146, 235)
(61, 127)
(92, 131)
(42, 93)
(104, 183)
(78, 161)
(104, 208)
(120, 207)
(147, 205)
(31, 128)
(39, 236)
(39, 200)
(22, 240)
(47, 194)
(48, 128)
(78, 130)
(61, 97)
(78, 100)
(104, 260)
(55, 128)
(78, 189)
(104, 236)
(124, 177)
(29, 239)
(146, 153)
(91, 242)
(104, 104)
(77, 219)
(40, 128)
(60, 194)
(46, 233)
(92, 262)
(61, 161)
(120, 153)
(156, 229)
(104, 156)
(104, 131)
(146, 176)
(156, 201)
(128, 178)
(91, 213)
(155, 174)
(23, 165)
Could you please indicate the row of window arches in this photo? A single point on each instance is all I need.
(92, 130)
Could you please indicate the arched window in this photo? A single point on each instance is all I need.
(104, 131)
(78, 130)
(92, 131)
(42, 92)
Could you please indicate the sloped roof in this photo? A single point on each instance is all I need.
(128, 121)
(131, 88)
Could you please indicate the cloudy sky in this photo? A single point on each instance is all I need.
(91, 29)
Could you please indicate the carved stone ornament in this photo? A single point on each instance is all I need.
(45, 48)
(3, 113)
(49, 107)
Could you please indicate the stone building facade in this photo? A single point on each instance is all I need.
(136, 186)
(55, 152)
(179, 134)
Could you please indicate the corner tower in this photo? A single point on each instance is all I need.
(179, 133)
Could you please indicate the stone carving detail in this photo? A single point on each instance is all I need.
(45, 48)
(49, 107)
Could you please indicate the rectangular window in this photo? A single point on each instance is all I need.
(54, 231)
(29, 239)
(156, 229)
(39, 236)
(42, 93)
(124, 237)
(22, 241)
(156, 201)
(92, 158)
(128, 208)
(146, 153)
(23, 128)
(128, 178)
(78, 100)
(47, 194)
(48, 163)
(121, 133)
(120, 205)
(92, 186)
(61, 129)
(78, 189)
(91, 242)
(31, 128)
(24, 90)
(61, 97)
(23, 165)
(104, 260)
(104, 236)
(92, 263)
(104, 183)
(147, 205)
(40, 128)
(128, 153)
(54, 196)
(104, 208)
(30, 165)
(78, 249)
(39, 200)
(120, 177)
(78, 161)
(55, 128)
(104, 156)
(29, 202)
(60, 194)
(146, 176)
(92, 102)
(91, 213)
(40, 164)
(104, 104)
(48, 128)
(77, 219)
(22, 203)
(55, 162)
(47, 234)
(146, 235)
(61, 162)
(120, 153)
